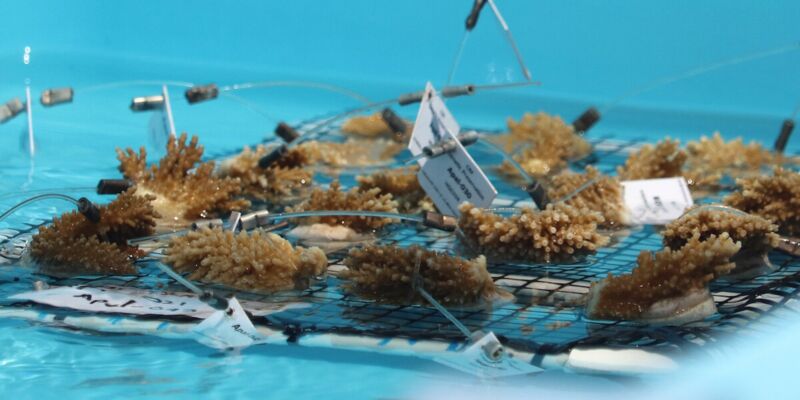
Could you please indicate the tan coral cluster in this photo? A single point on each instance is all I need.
(284, 179)
(402, 184)
(756, 234)
(668, 275)
(185, 188)
(73, 245)
(247, 261)
(351, 153)
(596, 192)
(711, 159)
(335, 199)
(776, 198)
(386, 273)
(558, 232)
(664, 160)
(541, 144)
(373, 126)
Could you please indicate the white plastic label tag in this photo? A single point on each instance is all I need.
(656, 201)
(121, 300)
(474, 361)
(230, 328)
(451, 178)
(161, 124)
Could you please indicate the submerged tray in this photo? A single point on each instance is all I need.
(542, 320)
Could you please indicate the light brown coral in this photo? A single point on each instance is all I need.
(776, 198)
(73, 245)
(541, 144)
(711, 159)
(248, 261)
(354, 199)
(598, 192)
(350, 153)
(756, 234)
(370, 126)
(402, 184)
(667, 275)
(664, 160)
(558, 232)
(283, 180)
(185, 190)
(385, 273)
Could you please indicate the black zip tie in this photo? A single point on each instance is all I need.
(396, 124)
(273, 156)
(447, 91)
(197, 94)
(784, 135)
(286, 132)
(472, 18)
(52, 97)
(586, 120)
(538, 194)
(89, 210)
(113, 186)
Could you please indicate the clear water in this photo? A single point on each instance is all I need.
(76, 142)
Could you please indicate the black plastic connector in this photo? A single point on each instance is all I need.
(784, 135)
(396, 124)
(538, 194)
(472, 18)
(197, 94)
(586, 120)
(89, 210)
(273, 156)
(286, 132)
(113, 186)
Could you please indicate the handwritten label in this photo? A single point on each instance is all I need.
(135, 301)
(454, 177)
(656, 201)
(230, 328)
(475, 362)
(161, 124)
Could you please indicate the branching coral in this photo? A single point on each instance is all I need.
(74, 245)
(247, 261)
(668, 286)
(336, 199)
(543, 144)
(776, 198)
(711, 159)
(558, 232)
(664, 160)
(756, 234)
(184, 189)
(402, 184)
(370, 126)
(386, 273)
(596, 192)
(285, 178)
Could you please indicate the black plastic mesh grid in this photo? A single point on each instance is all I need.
(546, 315)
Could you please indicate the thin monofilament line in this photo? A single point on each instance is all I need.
(457, 58)
(34, 199)
(5, 196)
(119, 84)
(301, 84)
(698, 71)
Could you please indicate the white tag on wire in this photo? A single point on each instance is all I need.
(656, 201)
(473, 360)
(230, 328)
(161, 124)
(134, 301)
(453, 177)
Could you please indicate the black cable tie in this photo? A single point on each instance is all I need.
(113, 186)
(197, 94)
(538, 194)
(396, 124)
(784, 135)
(472, 18)
(273, 156)
(586, 121)
(89, 210)
(286, 132)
